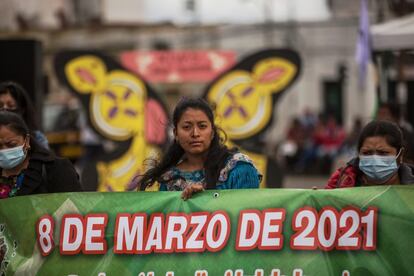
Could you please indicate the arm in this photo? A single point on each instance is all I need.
(62, 177)
(242, 176)
(41, 139)
(333, 180)
(342, 178)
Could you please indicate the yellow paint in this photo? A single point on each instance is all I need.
(125, 93)
(270, 67)
(242, 109)
(93, 66)
(243, 101)
(153, 188)
(117, 110)
(118, 173)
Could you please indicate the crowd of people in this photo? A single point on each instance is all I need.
(318, 144)
(312, 143)
(198, 159)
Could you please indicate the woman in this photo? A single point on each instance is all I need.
(27, 168)
(14, 98)
(198, 158)
(380, 149)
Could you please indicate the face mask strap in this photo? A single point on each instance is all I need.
(399, 154)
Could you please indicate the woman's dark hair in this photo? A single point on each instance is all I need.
(387, 129)
(24, 104)
(16, 123)
(217, 154)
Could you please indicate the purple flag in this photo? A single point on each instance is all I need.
(363, 47)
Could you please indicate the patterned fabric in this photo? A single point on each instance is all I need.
(177, 180)
(343, 178)
(238, 173)
(10, 185)
(231, 164)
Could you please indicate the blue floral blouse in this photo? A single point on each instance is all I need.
(238, 173)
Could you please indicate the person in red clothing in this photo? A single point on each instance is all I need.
(329, 138)
(380, 159)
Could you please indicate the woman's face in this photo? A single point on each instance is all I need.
(10, 139)
(7, 102)
(379, 170)
(194, 132)
(377, 145)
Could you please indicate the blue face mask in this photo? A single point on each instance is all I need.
(10, 158)
(378, 168)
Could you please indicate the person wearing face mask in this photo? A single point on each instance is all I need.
(27, 168)
(380, 159)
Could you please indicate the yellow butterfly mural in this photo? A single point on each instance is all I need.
(123, 108)
(118, 104)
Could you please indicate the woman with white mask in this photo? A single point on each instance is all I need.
(27, 168)
(380, 159)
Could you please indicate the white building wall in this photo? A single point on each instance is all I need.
(39, 14)
(323, 47)
(234, 11)
(123, 11)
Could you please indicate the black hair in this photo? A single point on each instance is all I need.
(16, 123)
(387, 129)
(24, 104)
(216, 157)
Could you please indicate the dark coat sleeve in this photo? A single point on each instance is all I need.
(62, 177)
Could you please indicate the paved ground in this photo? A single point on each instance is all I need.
(304, 181)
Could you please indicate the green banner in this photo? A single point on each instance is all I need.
(359, 231)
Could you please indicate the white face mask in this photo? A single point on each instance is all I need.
(10, 158)
(378, 168)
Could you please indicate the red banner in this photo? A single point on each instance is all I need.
(178, 66)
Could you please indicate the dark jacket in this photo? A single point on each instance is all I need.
(351, 176)
(47, 173)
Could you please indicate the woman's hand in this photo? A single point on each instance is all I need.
(190, 190)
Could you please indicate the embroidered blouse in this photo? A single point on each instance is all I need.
(10, 185)
(238, 173)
